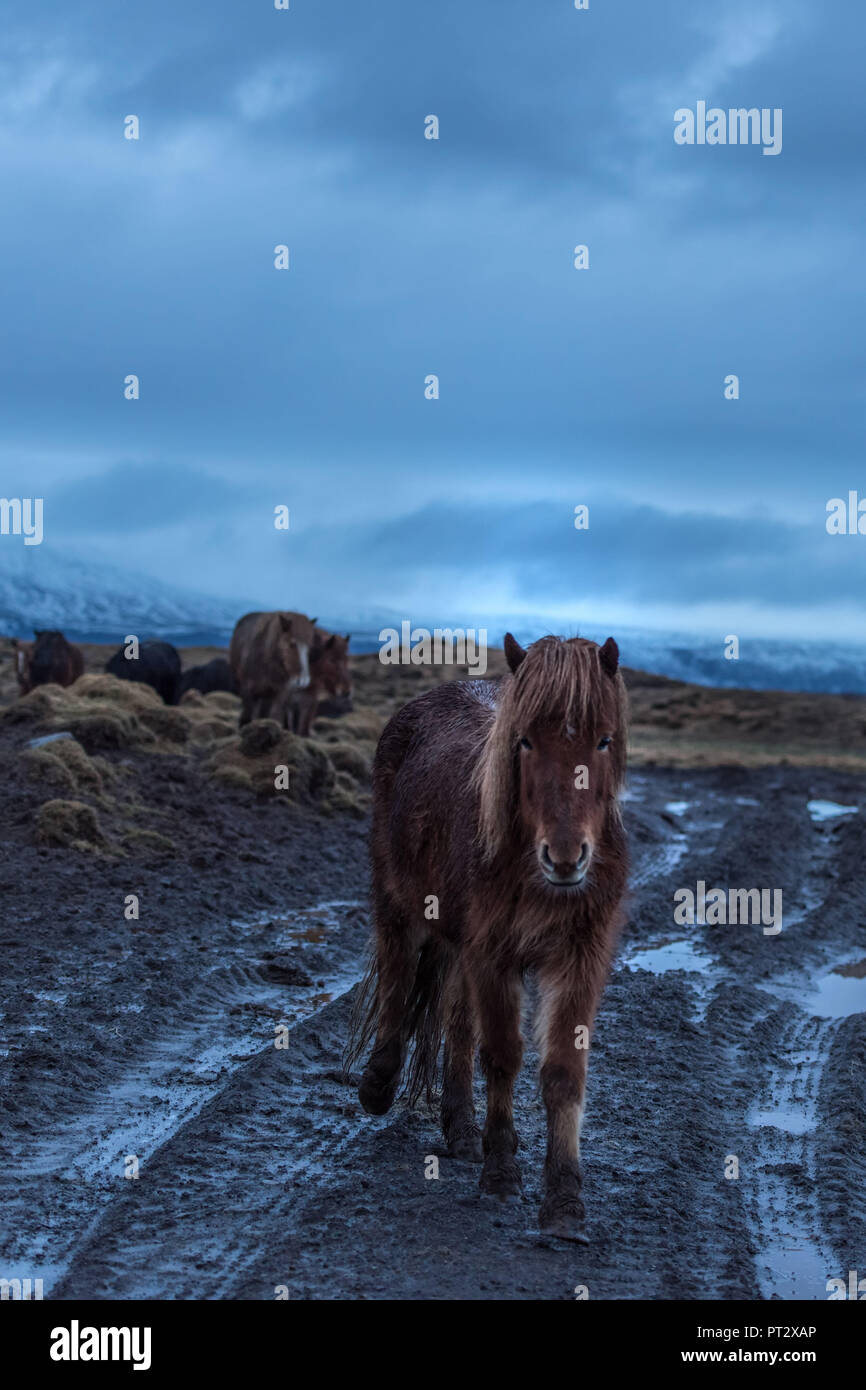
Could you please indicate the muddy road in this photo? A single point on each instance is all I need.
(149, 1048)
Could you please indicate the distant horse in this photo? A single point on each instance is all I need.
(157, 665)
(497, 847)
(269, 657)
(213, 675)
(50, 659)
(330, 676)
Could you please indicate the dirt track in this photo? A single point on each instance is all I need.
(258, 1169)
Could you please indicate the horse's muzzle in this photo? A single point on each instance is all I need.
(565, 873)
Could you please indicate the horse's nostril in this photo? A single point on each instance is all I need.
(585, 852)
(558, 868)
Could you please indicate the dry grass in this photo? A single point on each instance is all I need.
(681, 725)
(674, 723)
(64, 767)
(258, 758)
(65, 824)
(91, 790)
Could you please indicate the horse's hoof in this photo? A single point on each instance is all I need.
(564, 1218)
(466, 1146)
(500, 1177)
(376, 1098)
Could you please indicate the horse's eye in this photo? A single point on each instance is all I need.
(524, 743)
(604, 743)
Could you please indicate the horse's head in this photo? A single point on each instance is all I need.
(567, 727)
(330, 660)
(296, 634)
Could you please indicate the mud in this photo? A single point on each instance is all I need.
(257, 1170)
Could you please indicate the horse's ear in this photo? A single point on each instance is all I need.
(347, 638)
(608, 655)
(330, 642)
(314, 621)
(514, 653)
(285, 622)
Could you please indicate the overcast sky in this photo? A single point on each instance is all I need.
(411, 256)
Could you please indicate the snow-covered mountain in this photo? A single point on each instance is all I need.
(92, 601)
(763, 663)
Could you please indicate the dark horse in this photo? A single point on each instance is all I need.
(497, 847)
(157, 665)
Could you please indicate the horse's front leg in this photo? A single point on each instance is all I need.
(568, 1004)
(498, 997)
(458, 1108)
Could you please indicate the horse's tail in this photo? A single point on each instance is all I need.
(423, 1019)
(365, 1016)
(424, 1026)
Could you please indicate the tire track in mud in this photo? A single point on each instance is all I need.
(221, 1185)
(73, 1167)
(363, 1222)
(782, 1054)
(706, 1047)
(794, 1258)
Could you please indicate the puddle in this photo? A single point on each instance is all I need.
(792, 1260)
(673, 955)
(50, 996)
(677, 808)
(821, 811)
(791, 1121)
(841, 993)
(838, 994)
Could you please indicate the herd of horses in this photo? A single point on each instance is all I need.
(281, 665)
(497, 848)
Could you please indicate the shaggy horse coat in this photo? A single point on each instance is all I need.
(497, 848)
(329, 676)
(215, 675)
(49, 660)
(269, 656)
(157, 665)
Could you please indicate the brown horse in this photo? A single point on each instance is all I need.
(497, 848)
(269, 658)
(329, 676)
(50, 659)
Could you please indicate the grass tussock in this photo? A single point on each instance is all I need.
(263, 756)
(101, 712)
(67, 824)
(63, 766)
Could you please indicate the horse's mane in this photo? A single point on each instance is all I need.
(558, 682)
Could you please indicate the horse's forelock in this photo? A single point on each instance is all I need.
(559, 682)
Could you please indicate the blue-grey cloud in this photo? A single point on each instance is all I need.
(453, 257)
(640, 554)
